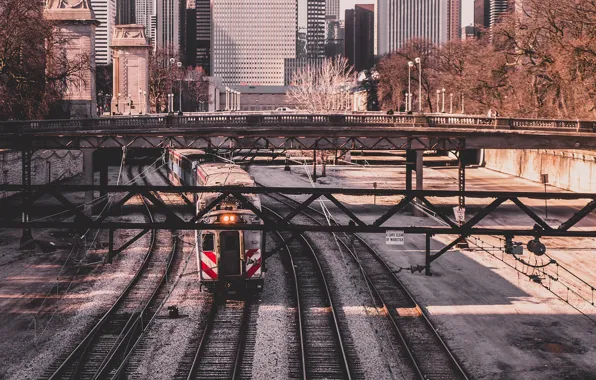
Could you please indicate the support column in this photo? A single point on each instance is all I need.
(103, 180)
(88, 176)
(419, 177)
(462, 187)
(410, 165)
(427, 271)
(27, 236)
(314, 165)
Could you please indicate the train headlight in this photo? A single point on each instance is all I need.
(228, 218)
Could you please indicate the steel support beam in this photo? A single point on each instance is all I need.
(26, 156)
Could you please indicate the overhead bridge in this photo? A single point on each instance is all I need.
(301, 131)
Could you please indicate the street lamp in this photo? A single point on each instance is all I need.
(129, 105)
(140, 101)
(145, 102)
(451, 103)
(438, 101)
(419, 62)
(409, 104)
(179, 64)
(118, 103)
(443, 108)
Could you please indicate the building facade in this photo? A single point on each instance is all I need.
(144, 15)
(481, 15)
(332, 8)
(105, 13)
(125, 12)
(198, 35)
(497, 9)
(168, 32)
(252, 40)
(360, 36)
(315, 33)
(453, 20)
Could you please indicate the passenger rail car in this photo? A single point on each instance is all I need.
(226, 259)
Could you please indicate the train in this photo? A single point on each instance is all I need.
(227, 259)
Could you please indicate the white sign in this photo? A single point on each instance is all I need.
(460, 214)
(394, 238)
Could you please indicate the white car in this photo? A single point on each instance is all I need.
(283, 109)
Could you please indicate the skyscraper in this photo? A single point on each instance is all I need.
(168, 31)
(332, 8)
(402, 20)
(203, 35)
(144, 10)
(454, 20)
(105, 13)
(497, 8)
(125, 12)
(315, 32)
(481, 15)
(360, 36)
(252, 40)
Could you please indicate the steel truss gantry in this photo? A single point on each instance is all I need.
(347, 218)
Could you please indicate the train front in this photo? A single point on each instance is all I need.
(231, 259)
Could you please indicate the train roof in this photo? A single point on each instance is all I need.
(189, 152)
(220, 174)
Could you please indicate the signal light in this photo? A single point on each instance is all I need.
(536, 247)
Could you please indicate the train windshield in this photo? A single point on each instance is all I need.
(208, 244)
(229, 242)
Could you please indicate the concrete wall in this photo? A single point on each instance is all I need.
(573, 170)
(46, 165)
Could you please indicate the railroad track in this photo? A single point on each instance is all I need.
(322, 351)
(102, 349)
(427, 352)
(221, 351)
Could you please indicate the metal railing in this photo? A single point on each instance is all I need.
(294, 120)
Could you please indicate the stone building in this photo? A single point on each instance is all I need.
(131, 70)
(76, 23)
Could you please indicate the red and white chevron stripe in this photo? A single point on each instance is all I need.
(253, 262)
(209, 265)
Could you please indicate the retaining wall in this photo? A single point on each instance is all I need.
(573, 170)
(46, 166)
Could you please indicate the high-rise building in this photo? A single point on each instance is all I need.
(168, 31)
(144, 11)
(332, 8)
(469, 32)
(360, 36)
(315, 33)
(203, 35)
(497, 9)
(125, 12)
(481, 15)
(252, 40)
(335, 35)
(402, 20)
(105, 13)
(453, 20)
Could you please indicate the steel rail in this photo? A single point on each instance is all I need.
(207, 334)
(298, 303)
(85, 344)
(337, 330)
(394, 322)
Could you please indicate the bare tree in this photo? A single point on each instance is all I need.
(317, 88)
(34, 68)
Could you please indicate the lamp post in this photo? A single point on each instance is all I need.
(407, 101)
(179, 65)
(438, 101)
(145, 102)
(129, 105)
(419, 62)
(118, 103)
(451, 103)
(443, 108)
(462, 104)
(409, 104)
(140, 101)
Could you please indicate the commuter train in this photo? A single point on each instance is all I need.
(226, 259)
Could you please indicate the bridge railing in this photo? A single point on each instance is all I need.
(294, 120)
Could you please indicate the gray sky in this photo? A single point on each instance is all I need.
(467, 9)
